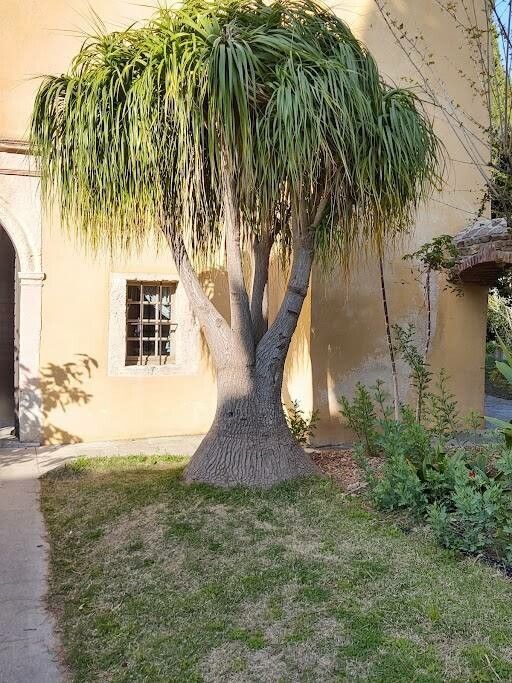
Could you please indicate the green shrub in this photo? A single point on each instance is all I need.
(477, 516)
(302, 427)
(465, 495)
(361, 417)
(399, 486)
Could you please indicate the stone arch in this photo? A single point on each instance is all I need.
(29, 257)
(485, 250)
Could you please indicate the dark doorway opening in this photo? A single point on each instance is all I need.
(7, 334)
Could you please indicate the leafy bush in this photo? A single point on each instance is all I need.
(301, 426)
(361, 417)
(477, 517)
(464, 495)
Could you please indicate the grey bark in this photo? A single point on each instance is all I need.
(213, 324)
(249, 442)
(261, 248)
(241, 323)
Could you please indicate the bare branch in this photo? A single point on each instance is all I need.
(261, 248)
(213, 324)
(241, 323)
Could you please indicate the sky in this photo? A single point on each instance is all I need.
(502, 7)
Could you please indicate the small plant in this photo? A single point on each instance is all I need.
(420, 372)
(476, 517)
(440, 254)
(473, 420)
(399, 486)
(361, 417)
(442, 408)
(464, 494)
(302, 427)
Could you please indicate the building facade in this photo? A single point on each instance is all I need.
(75, 367)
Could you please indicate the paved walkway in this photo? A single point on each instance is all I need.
(28, 639)
(498, 407)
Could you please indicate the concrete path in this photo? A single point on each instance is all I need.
(28, 643)
(28, 639)
(498, 407)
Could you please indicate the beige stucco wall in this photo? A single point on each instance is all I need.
(341, 337)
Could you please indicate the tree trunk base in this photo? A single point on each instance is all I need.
(248, 460)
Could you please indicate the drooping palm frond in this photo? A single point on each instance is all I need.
(140, 131)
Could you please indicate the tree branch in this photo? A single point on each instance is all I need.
(273, 347)
(241, 323)
(261, 249)
(214, 326)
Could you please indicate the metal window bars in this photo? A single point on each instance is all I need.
(150, 331)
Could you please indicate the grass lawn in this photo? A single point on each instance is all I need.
(153, 580)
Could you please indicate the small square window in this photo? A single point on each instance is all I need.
(150, 329)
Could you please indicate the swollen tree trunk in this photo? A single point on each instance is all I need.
(249, 442)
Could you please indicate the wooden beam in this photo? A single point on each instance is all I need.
(19, 171)
(14, 146)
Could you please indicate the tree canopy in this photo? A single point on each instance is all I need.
(138, 133)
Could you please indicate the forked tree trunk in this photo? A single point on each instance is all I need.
(249, 442)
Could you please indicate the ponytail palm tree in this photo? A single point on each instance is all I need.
(236, 128)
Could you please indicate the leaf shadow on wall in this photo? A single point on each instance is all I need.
(60, 386)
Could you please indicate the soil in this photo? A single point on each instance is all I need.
(339, 464)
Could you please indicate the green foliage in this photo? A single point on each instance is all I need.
(399, 486)
(440, 254)
(505, 369)
(361, 417)
(302, 427)
(442, 410)
(465, 495)
(466, 501)
(499, 318)
(420, 374)
(476, 517)
(281, 96)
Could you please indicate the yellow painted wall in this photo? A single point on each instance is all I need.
(92, 407)
(340, 339)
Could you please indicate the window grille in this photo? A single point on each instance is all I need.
(150, 330)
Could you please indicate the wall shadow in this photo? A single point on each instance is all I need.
(61, 387)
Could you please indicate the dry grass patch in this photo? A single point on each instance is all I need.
(153, 580)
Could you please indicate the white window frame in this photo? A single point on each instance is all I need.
(186, 360)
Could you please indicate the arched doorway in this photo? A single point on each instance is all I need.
(8, 422)
(485, 259)
(20, 220)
